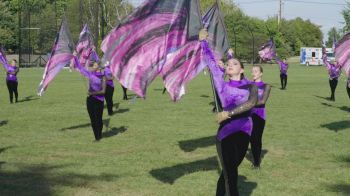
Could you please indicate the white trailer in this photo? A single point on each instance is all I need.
(313, 55)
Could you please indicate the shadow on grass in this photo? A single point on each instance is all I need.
(337, 126)
(28, 98)
(343, 108)
(120, 111)
(343, 189)
(1, 163)
(193, 144)
(245, 187)
(44, 180)
(110, 132)
(4, 122)
(171, 174)
(204, 96)
(5, 148)
(114, 131)
(343, 158)
(324, 98)
(106, 121)
(249, 155)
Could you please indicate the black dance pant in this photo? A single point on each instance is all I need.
(12, 87)
(109, 99)
(333, 84)
(256, 138)
(283, 80)
(125, 96)
(95, 110)
(231, 151)
(348, 89)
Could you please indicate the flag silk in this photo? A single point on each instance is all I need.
(85, 49)
(61, 55)
(342, 53)
(181, 67)
(215, 25)
(267, 51)
(3, 59)
(138, 49)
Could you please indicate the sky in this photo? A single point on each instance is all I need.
(326, 13)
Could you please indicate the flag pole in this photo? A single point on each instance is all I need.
(217, 107)
(214, 93)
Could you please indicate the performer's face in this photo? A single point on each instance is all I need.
(95, 66)
(234, 68)
(13, 63)
(256, 73)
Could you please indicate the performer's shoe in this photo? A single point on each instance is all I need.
(255, 167)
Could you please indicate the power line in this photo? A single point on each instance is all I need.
(255, 2)
(315, 2)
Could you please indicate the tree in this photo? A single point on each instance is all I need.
(331, 33)
(8, 31)
(346, 16)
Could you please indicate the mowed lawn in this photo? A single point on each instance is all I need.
(157, 147)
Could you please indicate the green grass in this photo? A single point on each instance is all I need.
(156, 147)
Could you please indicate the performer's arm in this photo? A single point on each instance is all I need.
(266, 95)
(80, 68)
(244, 107)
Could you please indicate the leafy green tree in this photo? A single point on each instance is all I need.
(346, 16)
(331, 33)
(8, 31)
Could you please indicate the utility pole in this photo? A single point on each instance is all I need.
(279, 13)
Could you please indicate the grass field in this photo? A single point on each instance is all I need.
(156, 147)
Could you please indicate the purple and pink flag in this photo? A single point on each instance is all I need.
(61, 55)
(267, 51)
(85, 48)
(213, 21)
(3, 59)
(158, 38)
(342, 53)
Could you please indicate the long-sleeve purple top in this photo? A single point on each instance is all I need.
(109, 77)
(283, 66)
(263, 94)
(232, 95)
(333, 70)
(95, 80)
(11, 72)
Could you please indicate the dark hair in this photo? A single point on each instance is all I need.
(222, 60)
(260, 67)
(14, 60)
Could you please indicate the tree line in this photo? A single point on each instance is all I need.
(246, 34)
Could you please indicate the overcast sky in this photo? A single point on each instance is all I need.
(326, 13)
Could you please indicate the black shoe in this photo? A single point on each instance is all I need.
(255, 167)
(110, 113)
(97, 139)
